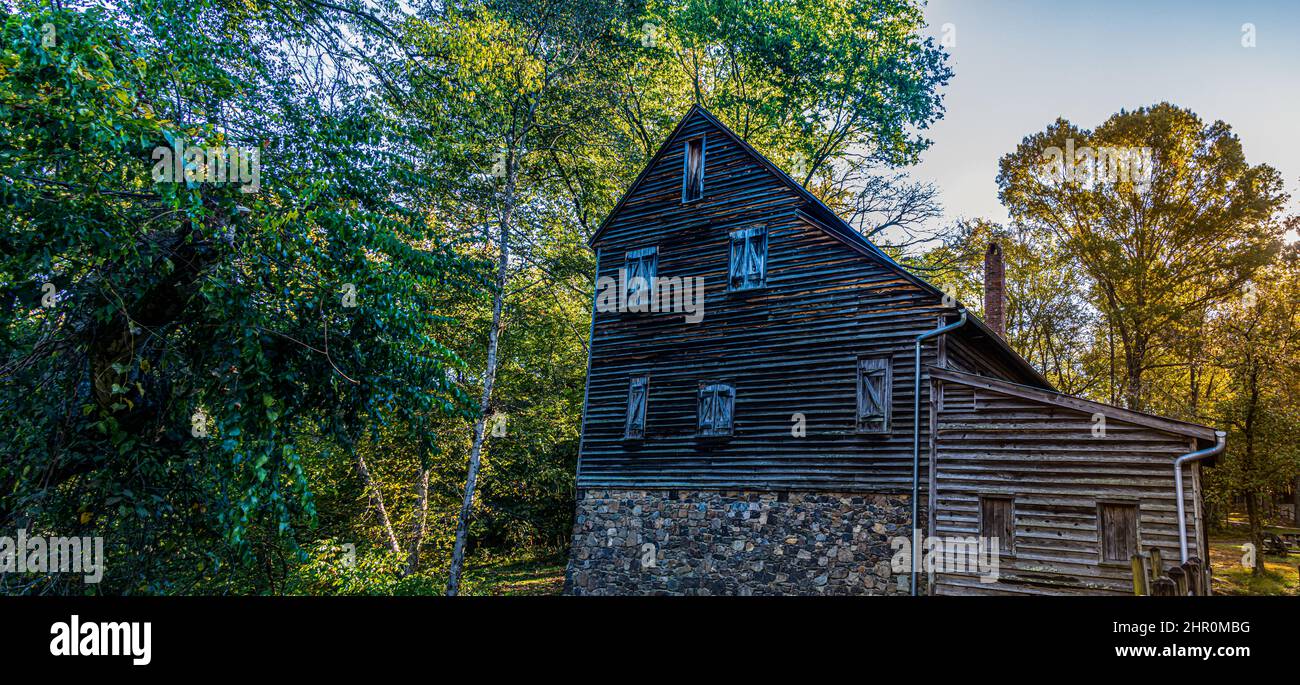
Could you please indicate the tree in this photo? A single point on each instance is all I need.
(1048, 320)
(1161, 211)
(1259, 345)
(175, 335)
(836, 92)
(518, 78)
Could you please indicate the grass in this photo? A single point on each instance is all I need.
(526, 577)
(1281, 576)
(543, 575)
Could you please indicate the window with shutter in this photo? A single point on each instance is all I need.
(875, 388)
(1119, 531)
(716, 408)
(998, 521)
(640, 267)
(748, 258)
(693, 172)
(636, 405)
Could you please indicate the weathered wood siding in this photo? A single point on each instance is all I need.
(789, 348)
(966, 353)
(1046, 457)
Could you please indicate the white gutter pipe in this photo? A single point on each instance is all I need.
(916, 439)
(1220, 441)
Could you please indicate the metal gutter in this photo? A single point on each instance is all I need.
(1220, 441)
(916, 439)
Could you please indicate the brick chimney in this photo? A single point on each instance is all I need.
(995, 290)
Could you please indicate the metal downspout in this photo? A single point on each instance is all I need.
(1220, 440)
(916, 438)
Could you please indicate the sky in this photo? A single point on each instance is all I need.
(1019, 64)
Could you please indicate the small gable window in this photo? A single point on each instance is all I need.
(639, 270)
(636, 402)
(693, 176)
(1119, 531)
(748, 258)
(717, 403)
(875, 382)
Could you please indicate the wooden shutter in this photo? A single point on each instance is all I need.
(716, 407)
(998, 520)
(875, 389)
(748, 258)
(636, 407)
(736, 278)
(1119, 531)
(641, 264)
(705, 409)
(726, 398)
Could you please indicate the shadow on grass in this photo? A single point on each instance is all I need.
(1281, 576)
(530, 577)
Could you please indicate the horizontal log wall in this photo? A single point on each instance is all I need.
(971, 356)
(788, 348)
(1048, 459)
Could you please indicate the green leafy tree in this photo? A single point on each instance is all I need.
(202, 328)
(1048, 320)
(1259, 346)
(1160, 210)
(837, 92)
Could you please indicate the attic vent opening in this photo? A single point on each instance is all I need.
(693, 178)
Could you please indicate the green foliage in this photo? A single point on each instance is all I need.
(1046, 317)
(332, 569)
(201, 332)
(221, 354)
(1159, 241)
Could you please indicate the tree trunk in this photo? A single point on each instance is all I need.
(1134, 358)
(1252, 493)
(489, 377)
(421, 522)
(1295, 500)
(377, 499)
(1110, 341)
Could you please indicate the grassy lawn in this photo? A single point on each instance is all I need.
(1230, 578)
(520, 577)
(542, 576)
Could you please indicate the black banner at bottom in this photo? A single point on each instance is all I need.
(237, 636)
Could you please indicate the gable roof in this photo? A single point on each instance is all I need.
(819, 215)
(1079, 404)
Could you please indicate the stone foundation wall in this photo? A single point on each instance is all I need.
(705, 542)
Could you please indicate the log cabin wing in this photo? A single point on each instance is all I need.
(1082, 485)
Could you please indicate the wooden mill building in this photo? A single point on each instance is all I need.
(765, 444)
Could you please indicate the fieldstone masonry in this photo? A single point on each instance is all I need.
(708, 542)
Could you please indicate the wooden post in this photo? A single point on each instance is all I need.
(1156, 569)
(1192, 569)
(1177, 575)
(1139, 576)
(1163, 587)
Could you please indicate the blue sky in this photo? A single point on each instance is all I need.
(1019, 64)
